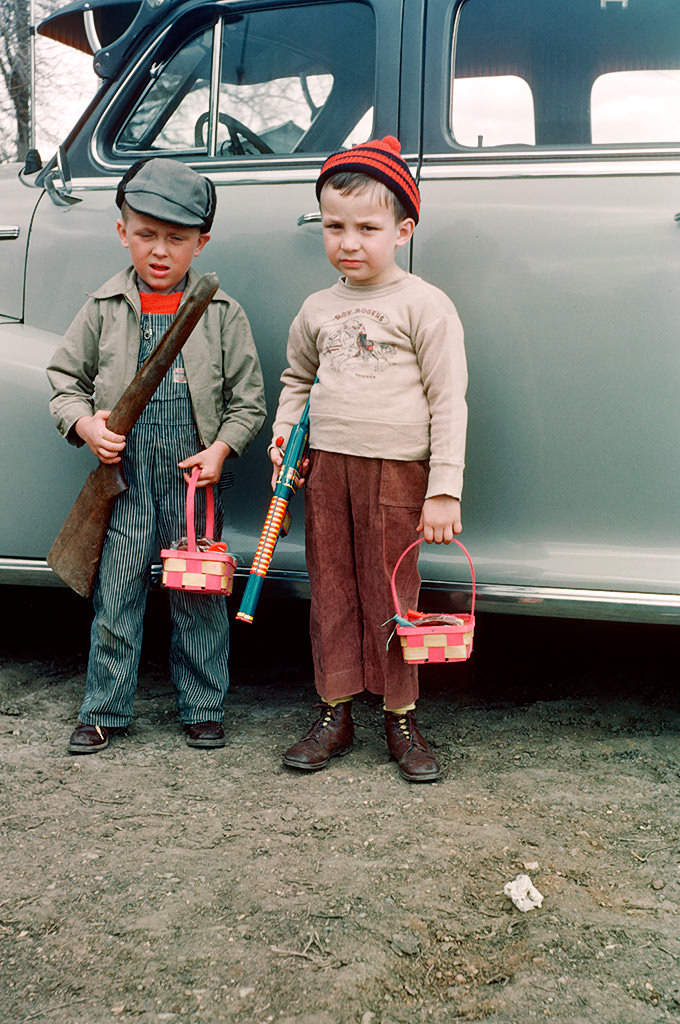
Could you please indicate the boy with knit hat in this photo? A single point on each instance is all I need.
(382, 353)
(208, 408)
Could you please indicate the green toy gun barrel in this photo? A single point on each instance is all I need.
(278, 517)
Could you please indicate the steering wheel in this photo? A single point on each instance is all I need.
(235, 128)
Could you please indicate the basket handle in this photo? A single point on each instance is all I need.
(415, 544)
(209, 510)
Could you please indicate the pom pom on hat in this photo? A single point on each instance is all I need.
(380, 159)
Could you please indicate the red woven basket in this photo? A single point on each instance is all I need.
(429, 642)
(208, 572)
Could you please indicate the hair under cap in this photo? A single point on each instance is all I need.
(168, 190)
(380, 159)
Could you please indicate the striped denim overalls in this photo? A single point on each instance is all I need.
(150, 515)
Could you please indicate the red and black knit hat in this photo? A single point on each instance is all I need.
(380, 159)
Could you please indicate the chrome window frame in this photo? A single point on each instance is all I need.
(527, 154)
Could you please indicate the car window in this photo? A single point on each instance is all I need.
(636, 106)
(279, 81)
(587, 72)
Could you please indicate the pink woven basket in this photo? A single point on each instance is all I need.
(208, 572)
(430, 642)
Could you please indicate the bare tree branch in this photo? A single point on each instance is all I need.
(15, 69)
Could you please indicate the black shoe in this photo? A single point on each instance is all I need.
(90, 739)
(205, 734)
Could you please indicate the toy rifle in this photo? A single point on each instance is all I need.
(277, 521)
(75, 554)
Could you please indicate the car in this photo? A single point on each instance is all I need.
(546, 143)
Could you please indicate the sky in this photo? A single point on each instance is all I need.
(65, 83)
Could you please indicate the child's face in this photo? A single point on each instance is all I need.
(161, 252)
(361, 236)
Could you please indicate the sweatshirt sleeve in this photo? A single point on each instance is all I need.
(297, 378)
(441, 355)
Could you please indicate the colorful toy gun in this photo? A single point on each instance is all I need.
(278, 516)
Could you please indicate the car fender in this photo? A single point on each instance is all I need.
(45, 473)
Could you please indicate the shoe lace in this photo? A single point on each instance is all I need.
(407, 726)
(325, 718)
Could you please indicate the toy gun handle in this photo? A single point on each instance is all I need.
(278, 517)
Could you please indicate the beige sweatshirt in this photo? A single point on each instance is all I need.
(391, 374)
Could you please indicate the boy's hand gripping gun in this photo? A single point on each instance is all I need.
(77, 550)
(278, 516)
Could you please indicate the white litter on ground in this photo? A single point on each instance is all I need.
(523, 893)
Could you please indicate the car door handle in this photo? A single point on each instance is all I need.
(308, 218)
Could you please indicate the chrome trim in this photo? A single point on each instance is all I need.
(242, 174)
(91, 31)
(455, 165)
(553, 602)
(308, 218)
(566, 602)
(215, 79)
(27, 572)
(9, 232)
(58, 183)
(284, 170)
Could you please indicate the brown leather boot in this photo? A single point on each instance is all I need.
(331, 735)
(409, 749)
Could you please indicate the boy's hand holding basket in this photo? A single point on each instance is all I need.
(429, 638)
(207, 567)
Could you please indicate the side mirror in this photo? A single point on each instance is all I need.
(32, 163)
(58, 181)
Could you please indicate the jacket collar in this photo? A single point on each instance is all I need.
(124, 285)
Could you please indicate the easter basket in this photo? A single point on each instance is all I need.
(429, 637)
(208, 568)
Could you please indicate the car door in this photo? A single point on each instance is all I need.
(255, 95)
(550, 184)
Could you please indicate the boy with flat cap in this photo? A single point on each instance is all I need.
(208, 408)
(387, 443)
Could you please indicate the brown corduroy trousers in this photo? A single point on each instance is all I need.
(360, 514)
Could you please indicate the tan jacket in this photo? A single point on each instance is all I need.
(99, 355)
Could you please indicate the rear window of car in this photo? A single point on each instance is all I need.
(552, 75)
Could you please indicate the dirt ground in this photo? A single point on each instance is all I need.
(157, 883)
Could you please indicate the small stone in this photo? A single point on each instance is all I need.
(658, 883)
(405, 944)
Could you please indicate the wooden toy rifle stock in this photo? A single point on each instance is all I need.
(75, 554)
(278, 516)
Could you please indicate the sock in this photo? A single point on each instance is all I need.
(338, 700)
(400, 711)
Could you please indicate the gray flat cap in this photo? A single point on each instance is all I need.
(169, 190)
